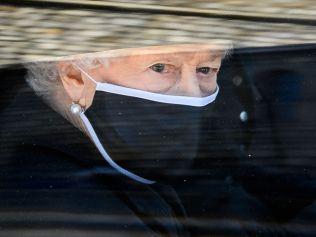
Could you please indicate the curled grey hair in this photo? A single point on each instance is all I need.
(42, 76)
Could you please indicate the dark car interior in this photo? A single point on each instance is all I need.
(255, 175)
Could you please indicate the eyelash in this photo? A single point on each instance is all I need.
(152, 67)
(166, 67)
(210, 70)
(170, 67)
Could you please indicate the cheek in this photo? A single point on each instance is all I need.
(158, 83)
(208, 87)
(123, 77)
(137, 78)
(115, 75)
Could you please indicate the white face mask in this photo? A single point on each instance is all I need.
(130, 92)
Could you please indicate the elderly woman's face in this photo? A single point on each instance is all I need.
(186, 70)
(183, 73)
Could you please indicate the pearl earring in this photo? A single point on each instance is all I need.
(75, 108)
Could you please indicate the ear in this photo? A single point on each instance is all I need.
(72, 80)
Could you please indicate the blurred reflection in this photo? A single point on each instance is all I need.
(207, 182)
(29, 33)
(160, 124)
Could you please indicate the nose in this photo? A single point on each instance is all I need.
(189, 84)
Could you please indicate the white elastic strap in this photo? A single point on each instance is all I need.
(105, 155)
(169, 99)
(84, 72)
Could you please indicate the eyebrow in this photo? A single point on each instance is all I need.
(212, 55)
(172, 57)
(176, 57)
(166, 56)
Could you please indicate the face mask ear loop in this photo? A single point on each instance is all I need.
(86, 74)
(100, 147)
(107, 157)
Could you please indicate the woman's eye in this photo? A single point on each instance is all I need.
(204, 70)
(158, 67)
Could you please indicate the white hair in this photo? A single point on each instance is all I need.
(43, 77)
